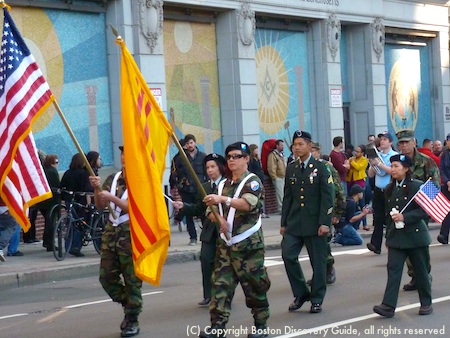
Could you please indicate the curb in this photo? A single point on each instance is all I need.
(25, 279)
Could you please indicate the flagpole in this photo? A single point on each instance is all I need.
(194, 176)
(412, 198)
(80, 151)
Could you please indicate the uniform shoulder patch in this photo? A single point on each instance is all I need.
(254, 185)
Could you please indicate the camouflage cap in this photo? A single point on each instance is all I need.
(405, 135)
(316, 145)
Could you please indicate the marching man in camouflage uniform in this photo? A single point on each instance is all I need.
(240, 253)
(116, 255)
(305, 221)
(423, 168)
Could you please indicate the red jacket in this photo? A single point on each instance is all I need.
(429, 153)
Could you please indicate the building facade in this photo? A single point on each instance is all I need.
(227, 70)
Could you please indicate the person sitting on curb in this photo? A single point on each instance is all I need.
(346, 229)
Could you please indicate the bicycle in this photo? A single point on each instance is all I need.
(91, 230)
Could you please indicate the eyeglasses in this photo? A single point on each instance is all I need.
(235, 156)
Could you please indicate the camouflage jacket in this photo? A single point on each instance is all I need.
(339, 193)
(424, 168)
(253, 193)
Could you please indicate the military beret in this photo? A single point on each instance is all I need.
(405, 160)
(220, 160)
(405, 135)
(242, 146)
(301, 134)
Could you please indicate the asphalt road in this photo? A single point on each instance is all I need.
(80, 308)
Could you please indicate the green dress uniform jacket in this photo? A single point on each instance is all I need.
(308, 198)
(415, 233)
(307, 204)
(411, 242)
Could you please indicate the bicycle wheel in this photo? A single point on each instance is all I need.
(62, 237)
(97, 232)
(55, 213)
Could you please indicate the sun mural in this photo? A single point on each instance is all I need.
(403, 95)
(44, 45)
(273, 89)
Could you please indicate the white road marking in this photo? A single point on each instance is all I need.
(355, 320)
(77, 305)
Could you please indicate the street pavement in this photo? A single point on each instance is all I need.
(39, 266)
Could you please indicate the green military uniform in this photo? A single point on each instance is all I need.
(117, 260)
(208, 236)
(307, 204)
(412, 241)
(423, 169)
(338, 207)
(242, 262)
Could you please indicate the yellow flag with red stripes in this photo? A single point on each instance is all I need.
(146, 134)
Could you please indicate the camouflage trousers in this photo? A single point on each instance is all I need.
(244, 267)
(117, 269)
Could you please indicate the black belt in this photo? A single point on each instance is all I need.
(382, 190)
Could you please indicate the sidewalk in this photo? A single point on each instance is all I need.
(39, 266)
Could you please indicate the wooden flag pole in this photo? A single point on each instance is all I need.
(194, 176)
(80, 151)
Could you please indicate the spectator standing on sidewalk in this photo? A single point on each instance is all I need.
(240, 257)
(186, 184)
(116, 259)
(276, 167)
(8, 226)
(14, 241)
(255, 166)
(339, 160)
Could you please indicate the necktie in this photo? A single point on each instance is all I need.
(303, 166)
(214, 186)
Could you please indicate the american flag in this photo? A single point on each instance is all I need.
(433, 201)
(24, 95)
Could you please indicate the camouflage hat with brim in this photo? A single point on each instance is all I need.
(405, 135)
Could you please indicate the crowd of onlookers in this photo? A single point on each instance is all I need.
(76, 179)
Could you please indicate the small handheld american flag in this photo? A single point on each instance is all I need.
(432, 201)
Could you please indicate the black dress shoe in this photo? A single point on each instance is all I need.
(425, 310)
(205, 302)
(384, 310)
(316, 308)
(76, 253)
(299, 301)
(442, 239)
(372, 248)
(411, 286)
(331, 275)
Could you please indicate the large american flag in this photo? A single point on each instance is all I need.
(433, 201)
(24, 95)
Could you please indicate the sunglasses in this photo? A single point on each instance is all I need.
(235, 156)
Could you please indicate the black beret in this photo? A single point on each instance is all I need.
(238, 146)
(303, 134)
(215, 157)
(405, 160)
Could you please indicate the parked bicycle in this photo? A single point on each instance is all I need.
(86, 219)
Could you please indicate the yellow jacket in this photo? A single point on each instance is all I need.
(357, 169)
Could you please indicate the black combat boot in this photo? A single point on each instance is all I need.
(131, 326)
(258, 331)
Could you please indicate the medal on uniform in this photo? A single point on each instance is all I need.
(312, 175)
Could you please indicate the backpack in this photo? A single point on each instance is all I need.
(267, 147)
